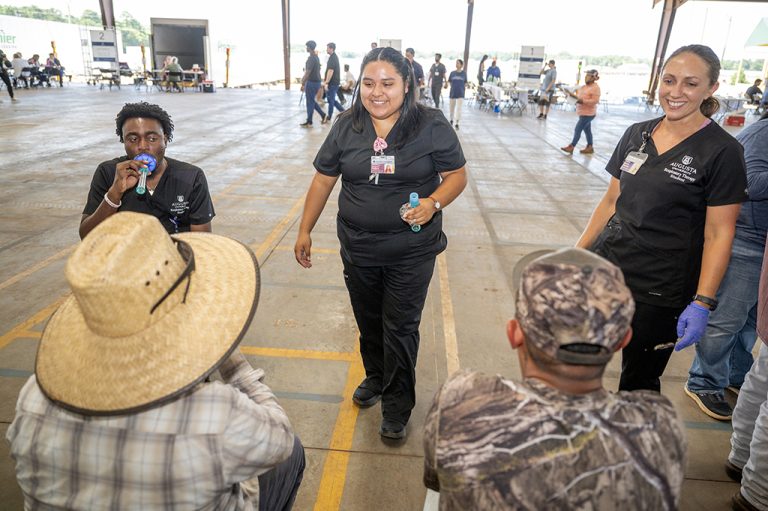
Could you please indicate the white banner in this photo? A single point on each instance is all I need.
(531, 63)
(29, 36)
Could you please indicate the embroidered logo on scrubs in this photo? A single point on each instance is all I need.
(180, 206)
(682, 172)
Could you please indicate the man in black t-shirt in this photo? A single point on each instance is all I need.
(436, 78)
(418, 71)
(176, 192)
(332, 81)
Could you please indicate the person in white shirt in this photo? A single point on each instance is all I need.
(347, 84)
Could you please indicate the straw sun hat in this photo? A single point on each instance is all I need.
(150, 317)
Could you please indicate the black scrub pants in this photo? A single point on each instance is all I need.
(641, 364)
(387, 302)
(437, 89)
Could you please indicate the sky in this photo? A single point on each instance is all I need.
(593, 27)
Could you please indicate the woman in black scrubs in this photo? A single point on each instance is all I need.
(669, 214)
(385, 147)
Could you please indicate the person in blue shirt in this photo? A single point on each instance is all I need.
(458, 81)
(724, 354)
(494, 73)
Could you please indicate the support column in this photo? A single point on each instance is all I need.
(286, 7)
(665, 29)
(470, 8)
(107, 13)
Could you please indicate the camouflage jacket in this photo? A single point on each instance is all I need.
(491, 443)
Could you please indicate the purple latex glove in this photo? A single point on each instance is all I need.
(691, 325)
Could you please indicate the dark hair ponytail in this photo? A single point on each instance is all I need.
(710, 105)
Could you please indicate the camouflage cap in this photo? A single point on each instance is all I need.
(574, 306)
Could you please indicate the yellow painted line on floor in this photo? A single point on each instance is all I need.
(23, 329)
(340, 356)
(336, 461)
(280, 228)
(315, 250)
(29, 334)
(42, 264)
(449, 322)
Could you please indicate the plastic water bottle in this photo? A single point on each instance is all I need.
(413, 202)
(150, 166)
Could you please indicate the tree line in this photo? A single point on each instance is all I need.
(133, 32)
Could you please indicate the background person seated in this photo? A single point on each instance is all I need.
(175, 75)
(753, 93)
(19, 76)
(199, 71)
(347, 84)
(53, 68)
(558, 439)
(35, 69)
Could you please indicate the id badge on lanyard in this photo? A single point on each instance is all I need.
(381, 163)
(635, 159)
(633, 162)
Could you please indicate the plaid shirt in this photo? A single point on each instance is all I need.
(189, 454)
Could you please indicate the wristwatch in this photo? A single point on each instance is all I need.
(706, 300)
(437, 203)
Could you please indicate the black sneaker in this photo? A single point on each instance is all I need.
(367, 394)
(732, 471)
(306, 124)
(457, 126)
(540, 116)
(713, 405)
(325, 120)
(392, 429)
(739, 503)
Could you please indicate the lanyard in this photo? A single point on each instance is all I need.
(380, 164)
(647, 136)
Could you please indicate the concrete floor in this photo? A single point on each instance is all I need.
(524, 196)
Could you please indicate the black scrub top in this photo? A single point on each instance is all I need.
(369, 226)
(180, 199)
(657, 233)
